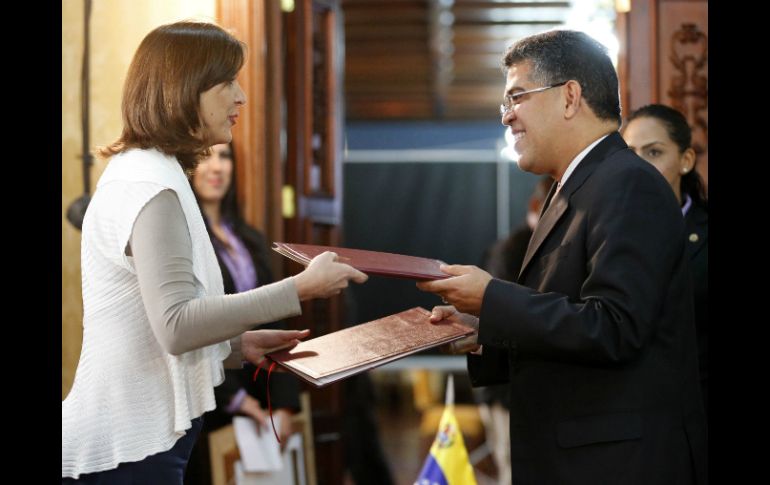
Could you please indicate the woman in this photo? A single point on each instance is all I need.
(661, 136)
(243, 259)
(156, 325)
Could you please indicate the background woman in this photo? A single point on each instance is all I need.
(243, 258)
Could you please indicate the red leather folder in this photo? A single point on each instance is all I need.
(350, 351)
(369, 262)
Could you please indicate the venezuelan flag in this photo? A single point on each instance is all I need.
(447, 463)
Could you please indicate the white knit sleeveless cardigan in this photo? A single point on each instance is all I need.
(131, 399)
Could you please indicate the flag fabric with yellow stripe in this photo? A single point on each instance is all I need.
(448, 462)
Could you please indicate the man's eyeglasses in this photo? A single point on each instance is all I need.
(512, 100)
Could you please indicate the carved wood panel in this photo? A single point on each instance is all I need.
(313, 170)
(683, 82)
(664, 59)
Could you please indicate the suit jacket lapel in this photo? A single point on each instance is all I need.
(555, 206)
(552, 212)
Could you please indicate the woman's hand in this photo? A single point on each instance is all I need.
(285, 425)
(256, 343)
(325, 277)
(250, 407)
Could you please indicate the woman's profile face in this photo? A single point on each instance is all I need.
(648, 138)
(213, 175)
(219, 108)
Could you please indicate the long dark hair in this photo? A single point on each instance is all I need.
(230, 212)
(680, 133)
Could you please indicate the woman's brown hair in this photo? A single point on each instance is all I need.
(173, 65)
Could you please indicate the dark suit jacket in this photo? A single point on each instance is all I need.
(597, 339)
(696, 223)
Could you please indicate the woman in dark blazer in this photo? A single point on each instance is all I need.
(242, 254)
(661, 136)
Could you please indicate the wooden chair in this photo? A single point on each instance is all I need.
(223, 448)
(304, 421)
(223, 453)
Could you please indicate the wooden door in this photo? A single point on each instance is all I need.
(313, 185)
(290, 145)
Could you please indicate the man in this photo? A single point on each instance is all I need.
(597, 339)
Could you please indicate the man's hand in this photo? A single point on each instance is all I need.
(464, 291)
(464, 345)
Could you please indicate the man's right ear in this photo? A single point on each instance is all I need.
(573, 94)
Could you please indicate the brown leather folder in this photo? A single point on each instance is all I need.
(369, 262)
(350, 351)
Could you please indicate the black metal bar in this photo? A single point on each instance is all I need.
(87, 157)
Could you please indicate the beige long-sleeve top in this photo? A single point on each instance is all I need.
(161, 247)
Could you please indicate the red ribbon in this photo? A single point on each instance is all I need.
(269, 405)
